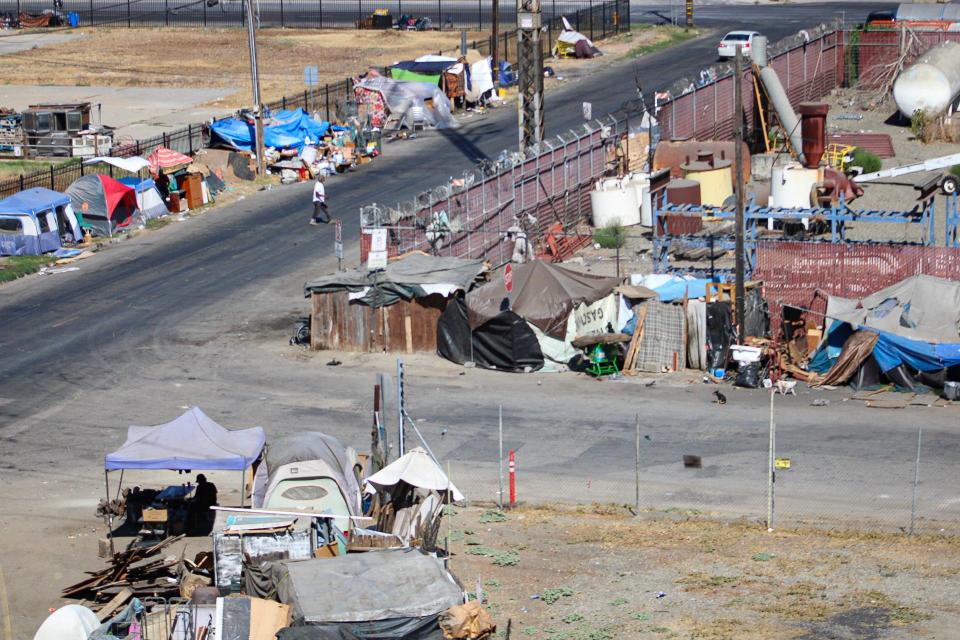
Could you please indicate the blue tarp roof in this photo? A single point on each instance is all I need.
(892, 350)
(290, 133)
(33, 200)
(675, 289)
(192, 441)
(138, 184)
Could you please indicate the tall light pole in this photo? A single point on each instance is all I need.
(255, 80)
(530, 59)
(738, 179)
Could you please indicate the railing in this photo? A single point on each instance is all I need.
(298, 14)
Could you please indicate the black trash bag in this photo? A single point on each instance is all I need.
(720, 335)
(749, 375)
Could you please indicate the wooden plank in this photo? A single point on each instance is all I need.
(408, 332)
(634, 348)
(115, 603)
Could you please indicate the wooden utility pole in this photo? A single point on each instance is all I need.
(738, 182)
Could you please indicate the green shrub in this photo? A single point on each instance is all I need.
(611, 236)
(870, 162)
(955, 170)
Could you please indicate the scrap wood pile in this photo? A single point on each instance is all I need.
(134, 572)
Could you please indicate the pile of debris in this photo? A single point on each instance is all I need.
(134, 572)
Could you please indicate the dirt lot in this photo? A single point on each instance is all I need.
(596, 573)
(142, 58)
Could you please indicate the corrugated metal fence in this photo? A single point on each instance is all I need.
(809, 67)
(803, 274)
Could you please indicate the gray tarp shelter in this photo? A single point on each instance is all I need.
(413, 276)
(192, 441)
(544, 294)
(375, 594)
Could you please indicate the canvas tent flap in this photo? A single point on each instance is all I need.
(544, 294)
(417, 469)
(133, 164)
(364, 587)
(413, 276)
(192, 441)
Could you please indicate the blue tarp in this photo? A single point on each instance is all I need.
(138, 184)
(675, 289)
(892, 350)
(293, 128)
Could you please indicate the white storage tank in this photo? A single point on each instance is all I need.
(791, 188)
(641, 183)
(931, 83)
(614, 200)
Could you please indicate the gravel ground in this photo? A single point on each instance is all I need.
(597, 573)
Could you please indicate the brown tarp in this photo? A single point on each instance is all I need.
(28, 21)
(856, 349)
(544, 294)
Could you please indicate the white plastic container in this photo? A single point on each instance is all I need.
(745, 354)
(613, 201)
(641, 183)
(790, 188)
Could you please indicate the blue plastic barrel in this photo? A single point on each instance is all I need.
(73, 18)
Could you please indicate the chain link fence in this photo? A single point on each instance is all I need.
(903, 481)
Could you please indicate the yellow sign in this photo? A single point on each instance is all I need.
(782, 463)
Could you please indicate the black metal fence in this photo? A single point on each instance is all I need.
(300, 14)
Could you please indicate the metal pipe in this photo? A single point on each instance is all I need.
(781, 104)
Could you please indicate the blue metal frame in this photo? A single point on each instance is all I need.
(952, 220)
(837, 216)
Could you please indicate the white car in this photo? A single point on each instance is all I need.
(728, 46)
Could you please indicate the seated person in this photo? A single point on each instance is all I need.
(199, 516)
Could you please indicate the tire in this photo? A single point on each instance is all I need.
(949, 185)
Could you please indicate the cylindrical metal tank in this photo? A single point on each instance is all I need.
(613, 201)
(781, 104)
(682, 191)
(813, 130)
(760, 51)
(931, 83)
(715, 178)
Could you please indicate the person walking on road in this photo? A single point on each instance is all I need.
(320, 213)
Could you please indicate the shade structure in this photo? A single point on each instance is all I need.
(192, 441)
(164, 158)
(132, 164)
(417, 469)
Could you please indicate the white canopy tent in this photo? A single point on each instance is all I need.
(417, 469)
(133, 164)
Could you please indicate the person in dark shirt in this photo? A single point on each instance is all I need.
(200, 516)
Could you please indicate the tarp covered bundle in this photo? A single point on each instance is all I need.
(192, 441)
(287, 130)
(550, 305)
(916, 322)
(406, 101)
(396, 593)
(414, 276)
(544, 294)
(105, 204)
(573, 44)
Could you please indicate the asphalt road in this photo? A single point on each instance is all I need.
(168, 281)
